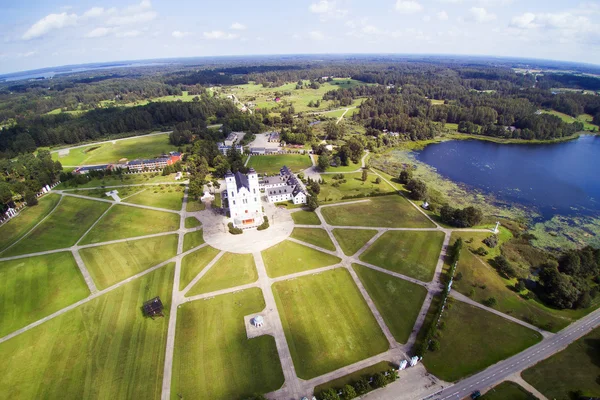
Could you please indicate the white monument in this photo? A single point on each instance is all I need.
(258, 321)
(496, 230)
(402, 365)
(114, 194)
(414, 361)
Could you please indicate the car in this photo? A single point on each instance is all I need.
(476, 394)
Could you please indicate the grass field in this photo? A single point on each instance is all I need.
(352, 240)
(316, 236)
(123, 192)
(272, 164)
(411, 253)
(194, 205)
(192, 239)
(354, 186)
(467, 329)
(125, 222)
(327, 322)
(351, 167)
(109, 152)
(230, 270)
(351, 378)
(398, 301)
(71, 219)
(113, 263)
(288, 257)
(211, 345)
(586, 119)
(508, 390)
(575, 368)
(32, 288)
(104, 349)
(192, 222)
(27, 219)
(169, 197)
(303, 217)
(387, 211)
(130, 179)
(194, 263)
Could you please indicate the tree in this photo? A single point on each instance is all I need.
(491, 302)
(314, 187)
(312, 203)
(504, 267)
(379, 380)
(405, 176)
(329, 394)
(434, 345)
(417, 188)
(323, 162)
(5, 193)
(30, 199)
(365, 175)
(348, 392)
(362, 386)
(378, 180)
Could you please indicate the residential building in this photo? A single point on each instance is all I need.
(284, 187)
(155, 163)
(224, 148)
(243, 198)
(274, 137)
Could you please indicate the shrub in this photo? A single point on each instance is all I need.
(480, 251)
(491, 302)
(362, 386)
(434, 345)
(264, 225)
(379, 380)
(233, 230)
(329, 394)
(491, 241)
(348, 392)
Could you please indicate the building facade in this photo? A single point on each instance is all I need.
(155, 163)
(243, 198)
(284, 187)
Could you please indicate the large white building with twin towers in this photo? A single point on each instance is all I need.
(243, 198)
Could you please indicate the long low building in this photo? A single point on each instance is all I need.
(283, 187)
(155, 163)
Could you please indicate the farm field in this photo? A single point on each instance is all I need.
(410, 253)
(32, 288)
(272, 164)
(113, 263)
(306, 305)
(192, 239)
(306, 218)
(71, 219)
(508, 390)
(194, 263)
(123, 222)
(316, 236)
(288, 257)
(354, 186)
(352, 240)
(104, 348)
(386, 211)
(230, 270)
(398, 301)
(466, 328)
(211, 340)
(169, 197)
(350, 378)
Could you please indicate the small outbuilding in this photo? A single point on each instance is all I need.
(153, 307)
(258, 321)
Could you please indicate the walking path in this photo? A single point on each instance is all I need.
(516, 378)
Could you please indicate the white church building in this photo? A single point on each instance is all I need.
(243, 197)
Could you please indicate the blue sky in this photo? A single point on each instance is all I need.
(36, 34)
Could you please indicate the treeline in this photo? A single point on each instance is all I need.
(583, 82)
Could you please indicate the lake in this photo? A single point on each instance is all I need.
(558, 178)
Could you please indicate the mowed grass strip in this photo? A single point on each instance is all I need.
(27, 219)
(327, 322)
(575, 368)
(123, 222)
(213, 357)
(272, 164)
(103, 349)
(192, 222)
(71, 219)
(229, 271)
(194, 263)
(508, 390)
(473, 339)
(353, 186)
(316, 236)
(352, 240)
(392, 211)
(304, 217)
(288, 257)
(398, 301)
(32, 288)
(115, 262)
(411, 253)
(168, 197)
(192, 239)
(355, 376)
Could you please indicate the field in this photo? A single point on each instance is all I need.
(303, 217)
(32, 288)
(194, 263)
(351, 167)
(319, 340)
(115, 262)
(272, 164)
(169, 197)
(104, 349)
(575, 368)
(352, 240)
(508, 390)
(410, 253)
(109, 152)
(316, 236)
(230, 270)
(71, 219)
(288, 257)
(586, 119)
(115, 180)
(398, 301)
(350, 378)
(192, 222)
(124, 192)
(192, 239)
(211, 345)
(194, 205)
(466, 329)
(386, 211)
(354, 186)
(28, 218)
(125, 222)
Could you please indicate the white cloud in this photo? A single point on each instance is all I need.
(316, 35)
(442, 16)
(126, 34)
(573, 27)
(408, 6)
(237, 26)
(130, 19)
(327, 10)
(49, 23)
(480, 14)
(99, 32)
(27, 54)
(427, 18)
(179, 34)
(220, 35)
(95, 12)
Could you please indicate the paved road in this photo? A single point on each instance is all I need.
(110, 141)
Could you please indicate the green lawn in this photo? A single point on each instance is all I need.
(194, 263)
(104, 349)
(288, 257)
(71, 219)
(213, 358)
(27, 219)
(352, 240)
(115, 262)
(32, 288)
(192, 222)
(168, 196)
(316, 236)
(586, 119)
(272, 164)
(192, 239)
(194, 205)
(327, 322)
(132, 179)
(391, 211)
(464, 337)
(125, 222)
(508, 390)
(355, 376)
(575, 368)
(303, 217)
(398, 301)
(411, 253)
(354, 186)
(123, 192)
(351, 167)
(230, 271)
